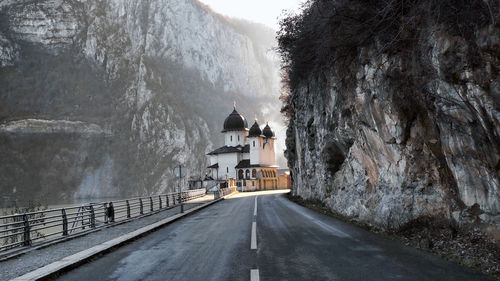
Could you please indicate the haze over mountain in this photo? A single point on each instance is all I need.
(103, 98)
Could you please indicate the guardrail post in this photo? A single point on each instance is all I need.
(105, 206)
(64, 222)
(181, 201)
(128, 209)
(141, 210)
(27, 239)
(111, 212)
(151, 204)
(159, 198)
(92, 216)
(166, 197)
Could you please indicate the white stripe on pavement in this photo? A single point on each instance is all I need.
(254, 275)
(255, 207)
(253, 242)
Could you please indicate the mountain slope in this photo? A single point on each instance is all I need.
(156, 76)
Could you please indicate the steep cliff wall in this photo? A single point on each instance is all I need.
(156, 76)
(394, 109)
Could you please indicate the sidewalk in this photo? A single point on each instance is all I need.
(38, 258)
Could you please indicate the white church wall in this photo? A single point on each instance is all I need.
(213, 159)
(227, 162)
(235, 138)
(255, 145)
(263, 151)
(266, 153)
(214, 173)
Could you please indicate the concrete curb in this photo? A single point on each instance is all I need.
(80, 257)
(229, 195)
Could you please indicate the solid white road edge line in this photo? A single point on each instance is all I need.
(254, 275)
(253, 242)
(255, 207)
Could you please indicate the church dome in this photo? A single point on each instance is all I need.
(267, 132)
(235, 122)
(255, 130)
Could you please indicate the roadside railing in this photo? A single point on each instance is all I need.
(27, 229)
(224, 191)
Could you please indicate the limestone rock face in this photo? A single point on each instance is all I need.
(377, 155)
(152, 78)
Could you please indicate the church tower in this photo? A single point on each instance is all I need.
(255, 142)
(235, 129)
(268, 155)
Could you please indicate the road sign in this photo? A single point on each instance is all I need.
(180, 171)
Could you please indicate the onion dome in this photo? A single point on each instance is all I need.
(267, 132)
(235, 122)
(255, 130)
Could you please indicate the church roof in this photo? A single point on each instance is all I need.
(231, 149)
(246, 148)
(246, 164)
(235, 122)
(255, 130)
(268, 132)
(214, 166)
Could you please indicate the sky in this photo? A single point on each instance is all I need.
(262, 11)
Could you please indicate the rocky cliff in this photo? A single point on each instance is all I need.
(394, 109)
(103, 98)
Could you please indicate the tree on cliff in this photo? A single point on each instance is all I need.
(333, 33)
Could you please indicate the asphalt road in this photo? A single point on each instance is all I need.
(289, 242)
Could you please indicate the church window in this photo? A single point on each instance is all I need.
(253, 143)
(254, 173)
(247, 174)
(227, 169)
(240, 174)
(231, 138)
(238, 138)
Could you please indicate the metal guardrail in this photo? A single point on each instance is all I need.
(31, 228)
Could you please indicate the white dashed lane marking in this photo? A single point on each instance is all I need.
(254, 275)
(253, 242)
(253, 238)
(255, 207)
